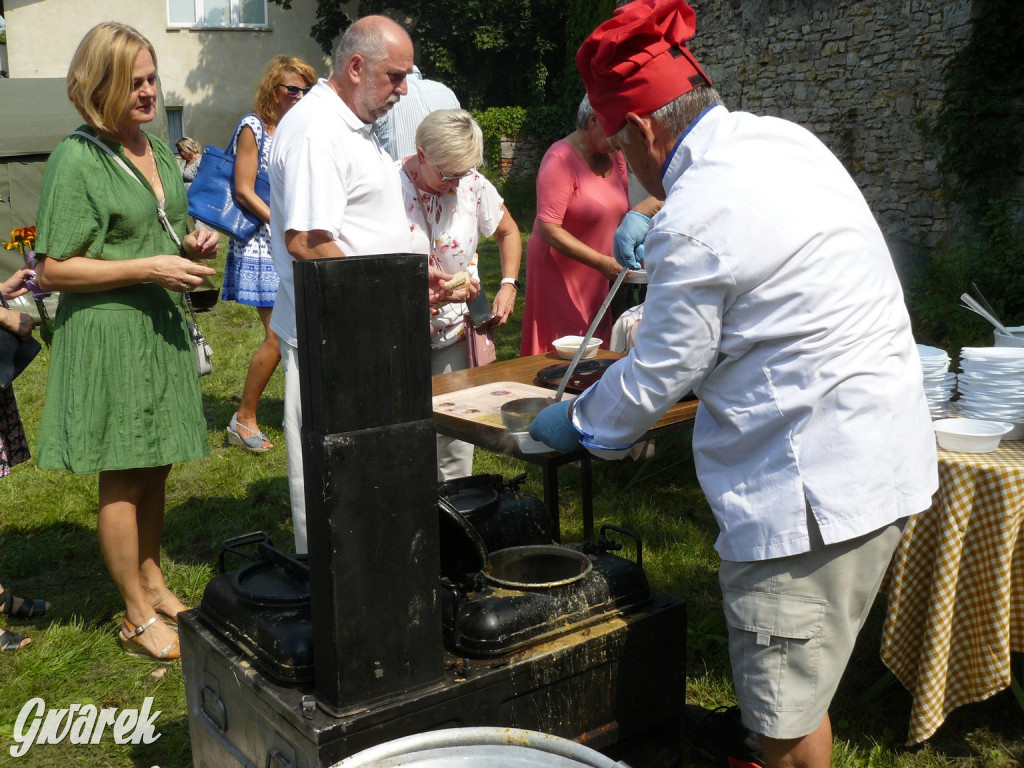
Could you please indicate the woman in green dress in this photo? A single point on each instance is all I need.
(122, 397)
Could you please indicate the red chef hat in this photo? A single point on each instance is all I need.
(637, 61)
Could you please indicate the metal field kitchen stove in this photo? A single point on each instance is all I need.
(414, 619)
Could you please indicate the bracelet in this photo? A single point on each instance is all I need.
(513, 282)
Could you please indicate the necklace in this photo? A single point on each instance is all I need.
(138, 160)
(152, 159)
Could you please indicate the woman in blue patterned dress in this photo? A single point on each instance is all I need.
(249, 276)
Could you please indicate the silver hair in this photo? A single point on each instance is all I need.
(367, 40)
(584, 113)
(452, 139)
(675, 117)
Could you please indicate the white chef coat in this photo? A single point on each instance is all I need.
(773, 296)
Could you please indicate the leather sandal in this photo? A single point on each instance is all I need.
(128, 639)
(12, 642)
(171, 621)
(257, 442)
(30, 608)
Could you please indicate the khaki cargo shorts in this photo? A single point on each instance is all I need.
(792, 624)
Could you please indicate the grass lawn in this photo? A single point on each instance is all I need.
(48, 548)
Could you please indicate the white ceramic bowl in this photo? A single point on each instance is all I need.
(1016, 340)
(566, 347)
(636, 277)
(528, 445)
(970, 435)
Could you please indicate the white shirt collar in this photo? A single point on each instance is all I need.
(692, 144)
(352, 120)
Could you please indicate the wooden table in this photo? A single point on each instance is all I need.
(956, 588)
(523, 370)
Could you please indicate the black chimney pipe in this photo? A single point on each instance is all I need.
(369, 461)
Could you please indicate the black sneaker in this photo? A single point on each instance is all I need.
(720, 734)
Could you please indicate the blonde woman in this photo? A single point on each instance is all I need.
(191, 154)
(450, 206)
(249, 275)
(122, 398)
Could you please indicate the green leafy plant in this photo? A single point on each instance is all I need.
(979, 122)
(978, 127)
(992, 257)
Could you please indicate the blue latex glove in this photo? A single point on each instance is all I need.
(553, 428)
(629, 239)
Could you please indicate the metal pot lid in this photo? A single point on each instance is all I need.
(267, 583)
(480, 747)
(474, 495)
(463, 551)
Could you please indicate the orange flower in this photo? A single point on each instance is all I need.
(22, 238)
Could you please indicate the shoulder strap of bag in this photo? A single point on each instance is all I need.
(238, 130)
(160, 212)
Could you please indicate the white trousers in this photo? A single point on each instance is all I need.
(454, 457)
(293, 442)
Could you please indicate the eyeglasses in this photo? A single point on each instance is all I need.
(454, 177)
(295, 90)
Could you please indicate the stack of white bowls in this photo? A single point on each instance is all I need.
(991, 386)
(939, 382)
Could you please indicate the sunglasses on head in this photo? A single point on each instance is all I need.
(295, 90)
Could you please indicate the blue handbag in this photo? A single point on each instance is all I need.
(212, 200)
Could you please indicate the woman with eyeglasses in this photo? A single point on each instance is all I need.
(582, 195)
(450, 206)
(249, 275)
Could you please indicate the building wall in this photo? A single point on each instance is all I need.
(211, 74)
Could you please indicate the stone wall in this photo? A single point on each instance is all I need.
(866, 76)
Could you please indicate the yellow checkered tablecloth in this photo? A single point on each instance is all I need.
(956, 588)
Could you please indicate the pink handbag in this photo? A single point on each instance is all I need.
(481, 345)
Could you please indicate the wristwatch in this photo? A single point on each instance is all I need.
(513, 282)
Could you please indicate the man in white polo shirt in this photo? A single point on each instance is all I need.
(335, 192)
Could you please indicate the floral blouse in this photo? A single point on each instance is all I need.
(449, 227)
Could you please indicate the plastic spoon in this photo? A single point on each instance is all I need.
(971, 303)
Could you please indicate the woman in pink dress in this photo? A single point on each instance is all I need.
(581, 198)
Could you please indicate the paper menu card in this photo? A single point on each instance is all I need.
(482, 404)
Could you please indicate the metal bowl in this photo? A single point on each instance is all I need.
(517, 415)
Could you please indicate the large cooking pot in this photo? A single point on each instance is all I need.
(539, 566)
(499, 512)
(465, 554)
(263, 608)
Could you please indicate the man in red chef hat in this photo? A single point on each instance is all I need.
(772, 295)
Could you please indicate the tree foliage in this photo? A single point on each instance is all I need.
(979, 123)
(492, 53)
(979, 130)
